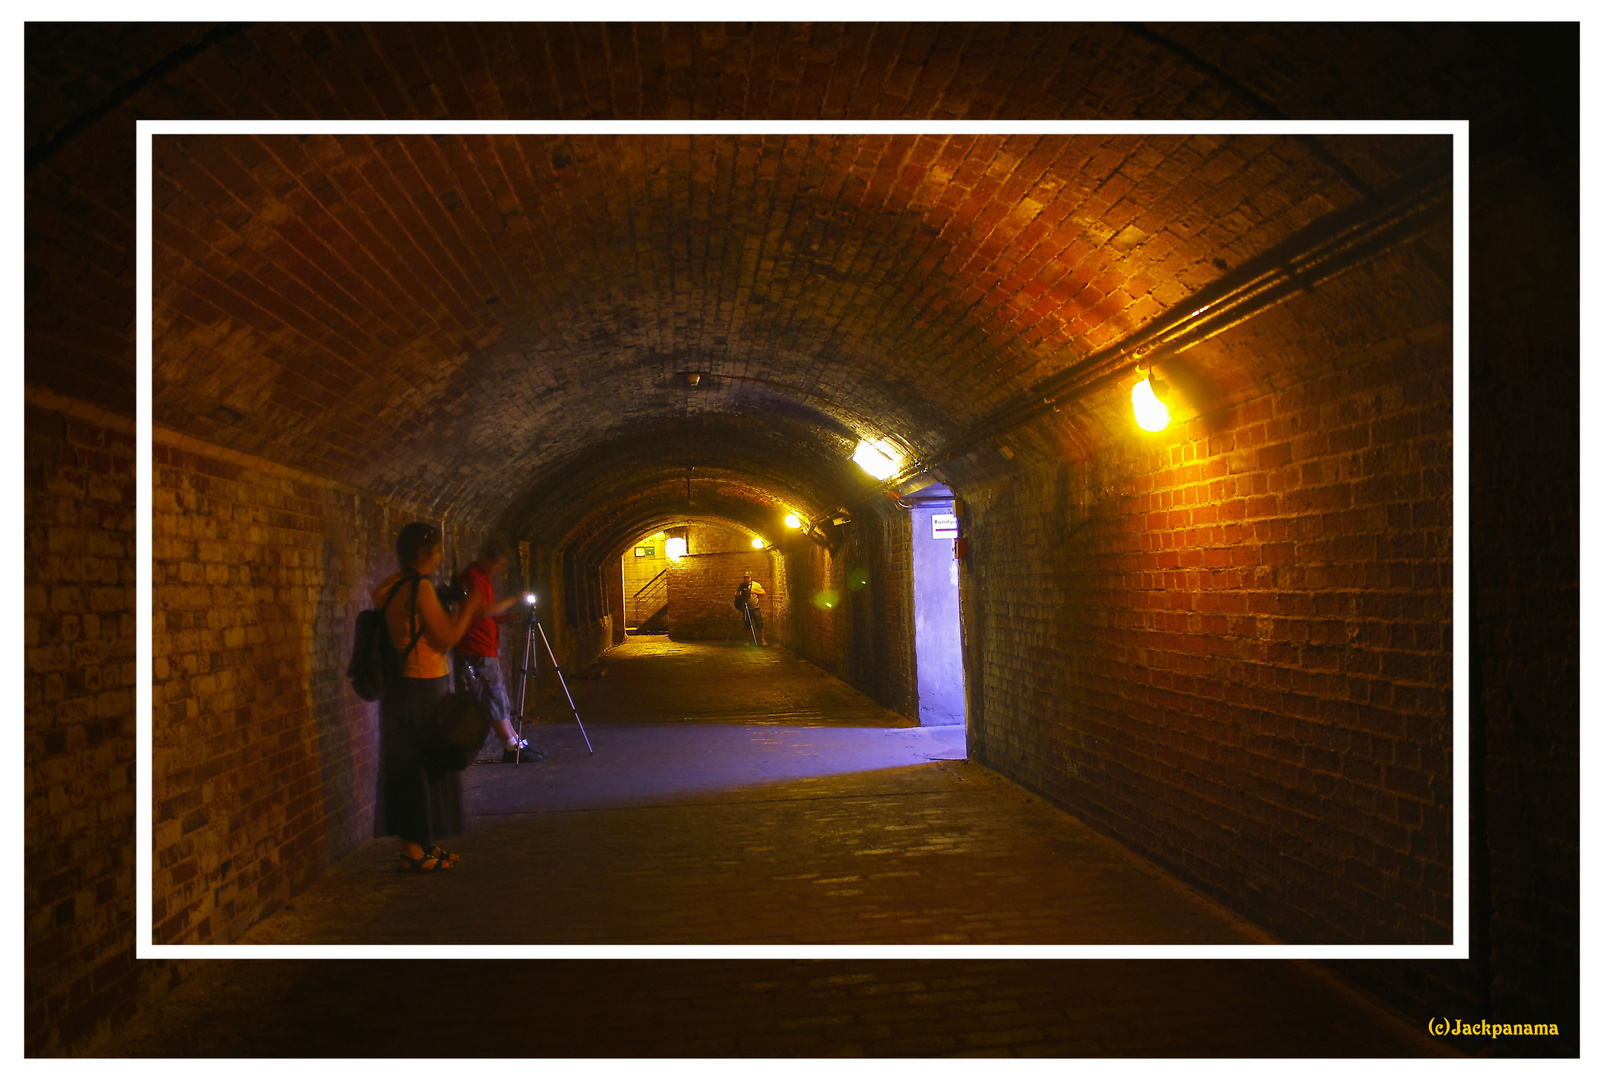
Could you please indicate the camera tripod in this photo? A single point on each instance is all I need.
(530, 665)
(746, 613)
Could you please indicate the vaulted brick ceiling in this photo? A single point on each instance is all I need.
(500, 326)
(464, 319)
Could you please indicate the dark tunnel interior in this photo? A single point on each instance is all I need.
(1225, 646)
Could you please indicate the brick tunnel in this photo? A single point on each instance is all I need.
(1221, 649)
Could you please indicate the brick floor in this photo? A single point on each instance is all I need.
(814, 1008)
(739, 796)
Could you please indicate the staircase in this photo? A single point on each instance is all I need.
(648, 608)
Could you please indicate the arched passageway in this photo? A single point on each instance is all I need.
(1224, 644)
(1224, 641)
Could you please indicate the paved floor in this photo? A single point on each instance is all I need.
(739, 796)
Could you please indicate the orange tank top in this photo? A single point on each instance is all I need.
(424, 661)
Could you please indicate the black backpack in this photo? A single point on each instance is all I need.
(374, 664)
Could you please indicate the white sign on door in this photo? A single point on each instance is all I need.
(944, 526)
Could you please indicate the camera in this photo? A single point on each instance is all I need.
(450, 595)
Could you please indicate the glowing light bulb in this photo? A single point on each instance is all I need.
(792, 521)
(529, 598)
(675, 548)
(757, 541)
(1151, 413)
(874, 460)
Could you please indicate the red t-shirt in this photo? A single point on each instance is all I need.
(484, 635)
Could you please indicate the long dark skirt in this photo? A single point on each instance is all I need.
(422, 804)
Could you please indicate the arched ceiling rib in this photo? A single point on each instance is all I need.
(628, 523)
(646, 526)
(758, 466)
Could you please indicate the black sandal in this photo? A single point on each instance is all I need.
(427, 863)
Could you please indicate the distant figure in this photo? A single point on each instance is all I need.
(747, 597)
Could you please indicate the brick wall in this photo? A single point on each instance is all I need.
(1525, 644)
(1230, 647)
(265, 761)
(78, 725)
(615, 604)
(1524, 748)
(816, 628)
(575, 609)
(701, 593)
(852, 612)
(703, 538)
(892, 595)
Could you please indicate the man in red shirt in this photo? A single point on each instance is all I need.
(479, 651)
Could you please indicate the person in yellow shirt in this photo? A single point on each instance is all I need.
(748, 594)
(422, 804)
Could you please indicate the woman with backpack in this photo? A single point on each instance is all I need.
(422, 803)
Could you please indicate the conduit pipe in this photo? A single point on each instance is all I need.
(1330, 246)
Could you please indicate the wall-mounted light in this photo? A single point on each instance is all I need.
(757, 542)
(792, 521)
(1147, 399)
(675, 548)
(878, 460)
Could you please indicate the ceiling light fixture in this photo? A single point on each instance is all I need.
(1147, 400)
(757, 541)
(876, 459)
(792, 521)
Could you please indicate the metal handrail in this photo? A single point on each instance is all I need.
(636, 603)
(650, 583)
